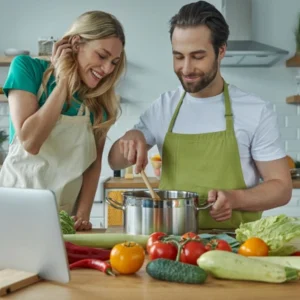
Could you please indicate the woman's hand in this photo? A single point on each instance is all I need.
(82, 223)
(60, 49)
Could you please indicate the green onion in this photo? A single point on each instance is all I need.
(105, 240)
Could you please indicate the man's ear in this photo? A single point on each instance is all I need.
(222, 51)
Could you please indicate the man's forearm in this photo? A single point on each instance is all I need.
(264, 196)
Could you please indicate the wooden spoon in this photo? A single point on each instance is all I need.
(153, 194)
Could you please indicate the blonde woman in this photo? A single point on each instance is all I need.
(61, 111)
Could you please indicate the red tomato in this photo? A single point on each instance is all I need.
(297, 253)
(190, 235)
(191, 251)
(218, 245)
(163, 250)
(154, 237)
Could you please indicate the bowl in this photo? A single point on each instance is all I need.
(15, 52)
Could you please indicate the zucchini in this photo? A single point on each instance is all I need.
(104, 240)
(286, 261)
(228, 265)
(175, 271)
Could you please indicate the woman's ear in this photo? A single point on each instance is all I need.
(75, 43)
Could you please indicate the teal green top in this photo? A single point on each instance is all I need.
(26, 73)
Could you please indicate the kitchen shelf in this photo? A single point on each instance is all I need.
(3, 98)
(6, 60)
(293, 61)
(293, 99)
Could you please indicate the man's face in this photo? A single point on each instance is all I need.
(194, 59)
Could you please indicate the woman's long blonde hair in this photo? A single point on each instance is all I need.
(93, 25)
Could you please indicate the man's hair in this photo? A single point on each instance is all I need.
(202, 13)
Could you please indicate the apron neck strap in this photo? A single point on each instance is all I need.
(41, 89)
(83, 110)
(228, 110)
(171, 125)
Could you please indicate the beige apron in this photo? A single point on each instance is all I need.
(206, 161)
(68, 151)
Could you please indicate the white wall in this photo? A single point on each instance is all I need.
(149, 53)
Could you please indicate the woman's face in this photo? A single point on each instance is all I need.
(97, 59)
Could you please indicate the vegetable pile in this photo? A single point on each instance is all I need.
(281, 233)
(66, 223)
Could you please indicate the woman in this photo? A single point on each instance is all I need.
(61, 112)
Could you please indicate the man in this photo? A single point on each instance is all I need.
(215, 139)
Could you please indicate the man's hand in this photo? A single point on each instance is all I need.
(134, 148)
(222, 208)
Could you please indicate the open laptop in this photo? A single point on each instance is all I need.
(30, 234)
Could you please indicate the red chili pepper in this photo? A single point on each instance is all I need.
(76, 253)
(96, 264)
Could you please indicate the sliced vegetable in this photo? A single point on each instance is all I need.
(105, 240)
(191, 251)
(127, 258)
(66, 223)
(254, 247)
(216, 244)
(174, 271)
(297, 253)
(96, 264)
(190, 235)
(286, 261)
(76, 253)
(154, 237)
(228, 265)
(281, 233)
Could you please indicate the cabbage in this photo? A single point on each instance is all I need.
(281, 233)
(66, 223)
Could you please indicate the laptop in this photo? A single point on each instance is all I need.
(30, 234)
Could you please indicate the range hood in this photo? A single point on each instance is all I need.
(242, 50)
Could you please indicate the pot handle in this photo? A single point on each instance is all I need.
(114, 203)
(205, 206)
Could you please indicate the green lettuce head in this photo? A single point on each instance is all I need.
(281, 233)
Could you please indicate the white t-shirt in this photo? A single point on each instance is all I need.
(255, 124)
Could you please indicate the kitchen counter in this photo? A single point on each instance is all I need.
(296, 183)
(92, 284)
(134, 183)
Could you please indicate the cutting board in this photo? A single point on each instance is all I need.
(12, 280)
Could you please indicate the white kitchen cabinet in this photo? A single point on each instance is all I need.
(292, 209)
(98, 209)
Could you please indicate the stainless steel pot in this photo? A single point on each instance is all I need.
(175, 213)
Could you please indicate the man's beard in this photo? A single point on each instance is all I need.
(195, 87)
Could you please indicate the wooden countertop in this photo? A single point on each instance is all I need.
(92, 284)
(296, 183)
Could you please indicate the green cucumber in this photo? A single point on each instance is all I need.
(228, 265)
(175, 271)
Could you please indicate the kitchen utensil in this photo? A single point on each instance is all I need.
(146, 180)
(176, 212)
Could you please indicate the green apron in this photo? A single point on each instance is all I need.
(202, 162)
